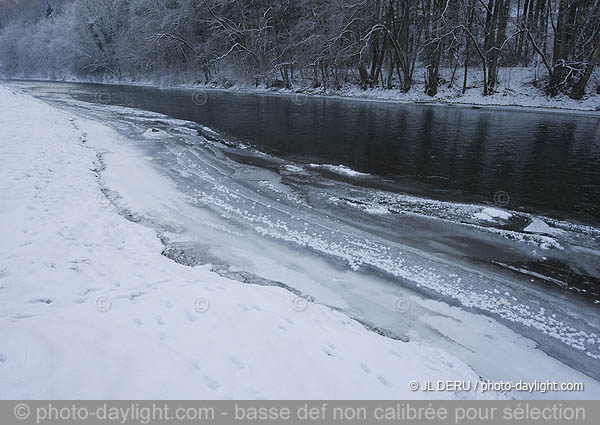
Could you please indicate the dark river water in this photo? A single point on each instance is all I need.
(546, 162)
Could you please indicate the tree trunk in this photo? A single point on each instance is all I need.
(433, 48)
(579, 88)
(522, 23)
(364, 75)
(560, 50)
(468, 47)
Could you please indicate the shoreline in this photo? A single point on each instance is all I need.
(124, 160)
(341, 95)
(84, 248)
(436, 103)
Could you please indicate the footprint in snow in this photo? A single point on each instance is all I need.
(40, 301)
(20, 316)
(2, 358)
(236, 362)
(191, 316)
(328, 352)
(383, 381)
(366, 368)
(395, 353)
(89, 291)
(256, 393)
(210, 383)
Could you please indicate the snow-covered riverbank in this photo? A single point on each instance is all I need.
(90, 309)
(519, 88)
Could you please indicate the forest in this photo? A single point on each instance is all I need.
(388, 44)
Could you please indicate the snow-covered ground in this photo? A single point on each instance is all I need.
(523, 87)
(89, 308)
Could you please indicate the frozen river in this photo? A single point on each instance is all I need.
(472, 230)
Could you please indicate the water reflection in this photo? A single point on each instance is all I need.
(547, 162)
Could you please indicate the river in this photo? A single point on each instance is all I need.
(472, 229)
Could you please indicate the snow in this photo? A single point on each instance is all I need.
(89, 308)
(475, 216)
(538, 225)
(154, 133)
(339, 169)
(213, 190)
(490, 214)
(293, 168)
(518, 87)
(208, 130)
